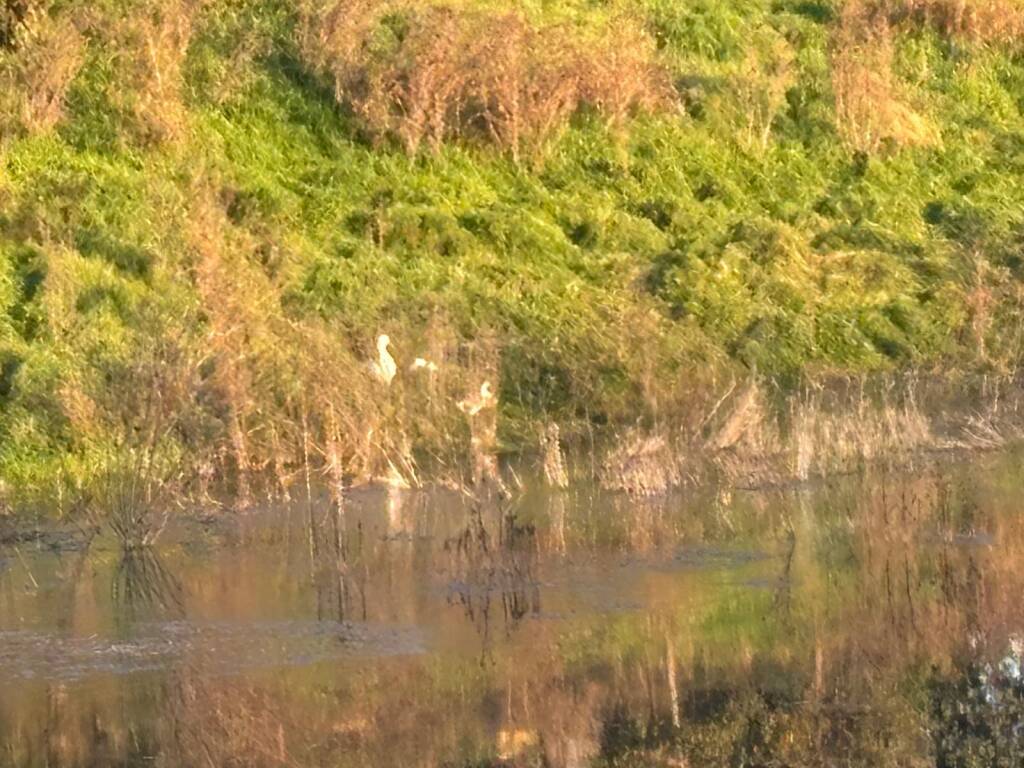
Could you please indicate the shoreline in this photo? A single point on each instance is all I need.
(748, 444)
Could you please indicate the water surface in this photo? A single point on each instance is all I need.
(864, 621)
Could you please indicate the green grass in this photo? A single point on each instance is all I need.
(619, 263)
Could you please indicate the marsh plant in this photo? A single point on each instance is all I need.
(979, 21)
(424, 74)
(609, 212)
(40, 55)
(754, 437)
(765, 76)
(140, 475)
(871, 108)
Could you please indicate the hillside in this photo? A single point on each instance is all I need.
(611, 209)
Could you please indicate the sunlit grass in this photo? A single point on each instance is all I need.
(618, 271)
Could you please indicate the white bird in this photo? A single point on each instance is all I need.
(421, 363)
(471, 406)
(384, 368)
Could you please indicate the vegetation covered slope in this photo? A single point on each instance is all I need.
(209, 210)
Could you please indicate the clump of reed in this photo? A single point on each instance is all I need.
(555, 471)
(289, 397)
(831, 434)
(734, 437)
(134, 426)
(40, 55)
(754, 436)
(871, 108)
(642, 464)
(284, 398)
(743, 440)
(424, 74)
(766, 74)
(977, 21)
(153, 42)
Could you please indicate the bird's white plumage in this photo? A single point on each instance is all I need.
(422, 364)
(384, 367)
(474, 404)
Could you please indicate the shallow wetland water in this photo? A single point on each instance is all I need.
(867, 620)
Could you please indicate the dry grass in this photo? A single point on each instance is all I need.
(156, 38)
(871, 109)
(748, 441)
(463, 73)
(12, 21)
(553, 459)
(761, 85)
(35, 75)
(826, 439)
(642, 465)
(977, 21)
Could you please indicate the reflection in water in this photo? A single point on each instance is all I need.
(980, 713)
(865, 621)
(143, 587)
(485, 571)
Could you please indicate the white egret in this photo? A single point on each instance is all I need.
(472, 405)
(422, 364)
(384, 367)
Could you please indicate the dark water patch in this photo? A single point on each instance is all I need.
(54, 540)
(765, 583)
(717, 558)
(227, 647)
